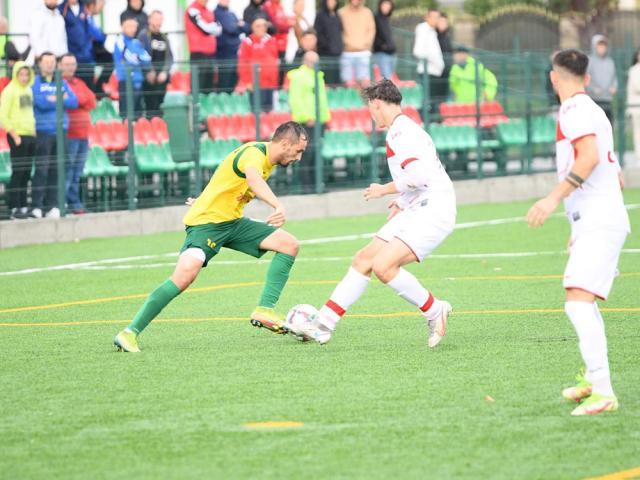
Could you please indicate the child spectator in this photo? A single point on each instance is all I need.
(157, 45)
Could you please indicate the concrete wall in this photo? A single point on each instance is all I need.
(335, 204)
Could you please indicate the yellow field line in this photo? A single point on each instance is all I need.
(227, 286)
(622, 475)
(355, 315)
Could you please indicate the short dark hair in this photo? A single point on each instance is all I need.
(68, 54)
(292, 131)
(573, 61)
(46, 54)
(384, 90)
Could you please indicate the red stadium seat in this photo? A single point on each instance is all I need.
(143, 132)
(4, 142)
(112, 136)
(159, 127)
(180, 82)
(111, 87)
(4, 81)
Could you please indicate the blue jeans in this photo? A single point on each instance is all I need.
(77, 155)
(354, 66)
(386, 62)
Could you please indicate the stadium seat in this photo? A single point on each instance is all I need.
(112, 136)
(4, 142)
(99, 165)
(104, 111)
(180, 82)
(160, 129)
(143, 132)
(448, 138)
(111, 87)
(5, 167)
(491, 114)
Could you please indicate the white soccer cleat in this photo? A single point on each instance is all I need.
(438, 326)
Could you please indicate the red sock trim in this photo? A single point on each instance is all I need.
(335, 307)
(428, 303)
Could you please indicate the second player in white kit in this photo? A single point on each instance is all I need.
(421, 217)
(591, 187)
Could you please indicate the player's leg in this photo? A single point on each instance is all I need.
(387, 267)
(589, 275)
(352, 286)
(189, 265)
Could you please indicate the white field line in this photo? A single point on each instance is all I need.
(103, 264)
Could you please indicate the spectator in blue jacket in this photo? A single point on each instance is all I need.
(128, 52)
(81, 31)
(228, 45)
(44, 196)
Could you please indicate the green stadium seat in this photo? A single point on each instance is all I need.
(449, 138)
(543, 130)
(150, 160)
(514, 132)
(5, 167)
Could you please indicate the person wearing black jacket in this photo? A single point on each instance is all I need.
(384, 48)
(135, 9)
(444, 39)
(328, 28)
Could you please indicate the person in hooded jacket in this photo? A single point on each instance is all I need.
(328, 28)
(604, 82)
(17, 118)
(384, 47)
(135, 9)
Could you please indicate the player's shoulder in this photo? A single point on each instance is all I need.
(577, 103)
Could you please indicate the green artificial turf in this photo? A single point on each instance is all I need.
(374, 402)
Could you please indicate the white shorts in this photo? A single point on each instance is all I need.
(422, 228)
(593, 261)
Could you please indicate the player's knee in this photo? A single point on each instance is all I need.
(362, 262)
(383, 271)
(290, 246)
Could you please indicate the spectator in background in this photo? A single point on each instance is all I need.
(259, 48)
(308, 43)
(102, 58)
(462, 79)
(78, 133)
(16, 116)
(604, 82)
(358, 32)
(427, 48)
(301, 24)
(329, 32)
(384, 48)
(202, 30)
(302, 99)
(158, 47)
(135, 9)
(444, 39)
(47, 33)
(254, 10)
(9, 54)
(80, 34)
(128, 52)
(44, 194)
(228, 45)
(282, 23)
(633, 101)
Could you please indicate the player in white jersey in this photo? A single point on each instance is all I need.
(420, 218)
(591, 187)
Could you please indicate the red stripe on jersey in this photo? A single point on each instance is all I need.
(428, 303)
(559, 135)
(582, 136)
(390, 153)
(335, 307)
(610, 157)
(407, 162)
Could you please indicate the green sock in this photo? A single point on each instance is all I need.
(154, 304)
(277, 277)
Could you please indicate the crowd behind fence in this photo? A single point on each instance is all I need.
(159, 151)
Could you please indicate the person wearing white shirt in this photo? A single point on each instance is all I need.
(47, 32)
(427, 48)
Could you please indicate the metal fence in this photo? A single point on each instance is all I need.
(152, 148)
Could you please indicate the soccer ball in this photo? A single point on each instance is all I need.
(302, 321)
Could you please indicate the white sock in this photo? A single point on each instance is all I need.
(348, 291)
(589, 326)
(408, 287)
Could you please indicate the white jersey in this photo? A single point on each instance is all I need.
(598, 203)
(415, 167)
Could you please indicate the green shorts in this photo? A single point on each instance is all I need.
(243, 235)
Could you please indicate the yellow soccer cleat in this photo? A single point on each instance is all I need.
(126, 341)
(578, 392)
(594, 404)
(264, 317)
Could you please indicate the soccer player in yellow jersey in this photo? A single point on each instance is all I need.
(215, 220)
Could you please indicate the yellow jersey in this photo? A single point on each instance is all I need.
(228, 192)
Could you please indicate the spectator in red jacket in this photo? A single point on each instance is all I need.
(259, 48)
(282, 23)
(202, 29)
(78, 133)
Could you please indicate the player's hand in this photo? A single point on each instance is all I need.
(375, 190)
(541, 210)
(394, 209)
(190, 201)
(277, 218)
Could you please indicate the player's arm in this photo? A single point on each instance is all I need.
(263, 192)
(586, 161)
(376, 190)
